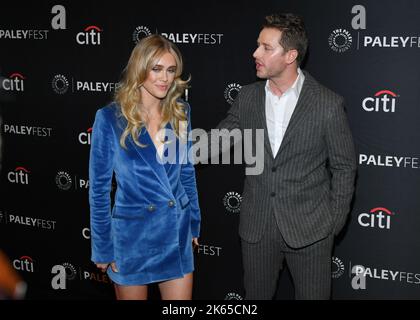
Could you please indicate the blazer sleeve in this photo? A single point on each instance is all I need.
(101, 164)
(189, 182)
(342, 160)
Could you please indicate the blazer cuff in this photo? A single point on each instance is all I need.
(195, 229)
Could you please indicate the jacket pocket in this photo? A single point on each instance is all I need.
(184, 201)
(138, 212)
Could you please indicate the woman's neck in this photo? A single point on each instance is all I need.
(150, 110)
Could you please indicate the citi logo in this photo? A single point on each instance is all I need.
(90, 36)
(84, 137)
(383, 100)
(376, 218)
(20, 176)
(14, 82)
(24, 263)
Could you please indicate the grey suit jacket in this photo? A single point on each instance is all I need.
(310, 183)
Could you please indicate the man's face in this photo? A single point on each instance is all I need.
(270, 56)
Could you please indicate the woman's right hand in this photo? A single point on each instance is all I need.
(104, 266)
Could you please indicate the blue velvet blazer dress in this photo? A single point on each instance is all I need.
(148, 231)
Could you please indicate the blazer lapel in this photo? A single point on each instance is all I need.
(261, 116)
(168, 153)
(149, 154)
(303, 106)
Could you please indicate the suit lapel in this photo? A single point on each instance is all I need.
(261, 116)
(149, 154)
(303, 106)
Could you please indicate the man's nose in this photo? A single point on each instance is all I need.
(256, 53)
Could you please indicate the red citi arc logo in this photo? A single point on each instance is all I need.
(20, 175)
(377, 218)
(383, 100)
(90, 36)
(84, 137)
(13, 83)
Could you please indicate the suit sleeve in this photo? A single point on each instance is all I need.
(100, 178)
(223, 132)
(188, 180)
(231, 121)
(342, 160)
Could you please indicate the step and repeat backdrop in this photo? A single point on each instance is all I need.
(61, 61)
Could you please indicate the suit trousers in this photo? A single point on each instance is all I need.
(310, 266)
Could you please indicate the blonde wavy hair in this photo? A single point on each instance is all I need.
(143, 58)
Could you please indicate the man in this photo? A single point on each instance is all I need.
(292, 210)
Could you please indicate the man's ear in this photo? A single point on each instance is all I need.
(292, 55)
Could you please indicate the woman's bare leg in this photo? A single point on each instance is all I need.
(130, 292)
(177, 289)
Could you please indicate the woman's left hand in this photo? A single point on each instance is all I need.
(195, 242)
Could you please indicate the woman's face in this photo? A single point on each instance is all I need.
(160, 77)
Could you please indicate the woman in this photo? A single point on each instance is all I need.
(148, 235)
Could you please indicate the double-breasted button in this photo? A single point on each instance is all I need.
(273, 194)
(151, 207)
(171, 203)
(273, 169)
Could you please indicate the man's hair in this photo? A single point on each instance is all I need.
(293, 32)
